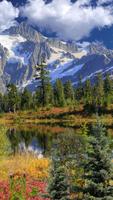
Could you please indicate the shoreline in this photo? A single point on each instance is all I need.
(53, 116)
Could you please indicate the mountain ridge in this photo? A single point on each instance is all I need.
(22, 48)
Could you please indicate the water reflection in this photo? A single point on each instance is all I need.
(36, 141)
(39, 140)
(33, 148)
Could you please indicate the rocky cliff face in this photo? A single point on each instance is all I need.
(68, 47)
(22, 48)
(25, 31)
(3, 58)
(98, 48)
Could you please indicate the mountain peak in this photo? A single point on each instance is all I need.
(26, 31)
(22, 48)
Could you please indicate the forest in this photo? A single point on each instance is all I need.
(94, 96)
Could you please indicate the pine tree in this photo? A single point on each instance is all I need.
(1, 102)
(26, 99)
(98, 91)
(98, 169)
(87, 93)
(36, 99)
(59, 93)
(87, 96)
(108, 89)
(58, 184)
(69, 92)
(5, 103)
(42, 74)
(79, 90)
(13, 98)
(49, 95)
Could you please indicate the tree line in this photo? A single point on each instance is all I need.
(93, 96)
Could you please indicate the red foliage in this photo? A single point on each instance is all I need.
(31, 185)
(4, 191)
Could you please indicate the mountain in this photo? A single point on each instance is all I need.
(22, 48)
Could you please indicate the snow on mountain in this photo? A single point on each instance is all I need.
(91, 75)
(64, 56)
(58, 54)
(64, 71)
(10, 43)
(22, 48)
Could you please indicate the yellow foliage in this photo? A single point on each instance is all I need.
(31, 166)
(5, 146)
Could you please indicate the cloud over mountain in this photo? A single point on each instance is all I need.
(69, 20)
(101, 2)
(8, 13)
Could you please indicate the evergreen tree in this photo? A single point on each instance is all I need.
(5, 103)
(26, 99)
(98, 169)
(59, 93)
(87, 96)
(69, 92)
(43, 77)
(98, 93)
(49, 95)
(36, 99)
(13, 98)
(108, 89)
(87, 93)
(58, 185)
(79, 90)
(1, 102)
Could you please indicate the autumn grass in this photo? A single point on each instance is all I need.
(67, 115)
(21, 164)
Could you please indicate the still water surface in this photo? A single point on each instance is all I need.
(39, 139)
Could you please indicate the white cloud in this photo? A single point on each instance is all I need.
(101, 2)
(68, 20)
(8, 13)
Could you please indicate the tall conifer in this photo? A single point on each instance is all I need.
(98, 169)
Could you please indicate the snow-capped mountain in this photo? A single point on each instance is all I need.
(22, 48)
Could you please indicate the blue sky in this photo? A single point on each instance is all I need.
(89, 20)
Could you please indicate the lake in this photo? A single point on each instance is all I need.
(39, 139)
